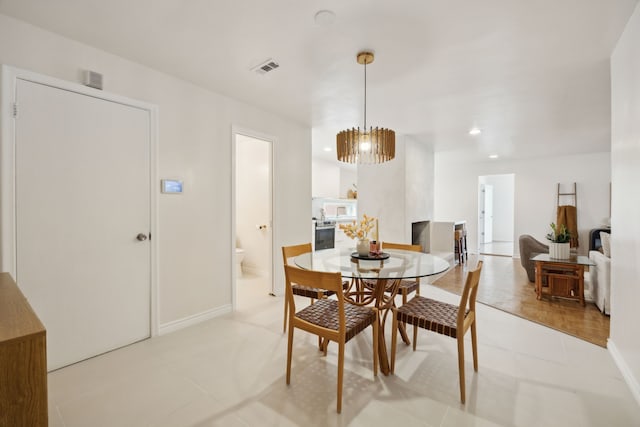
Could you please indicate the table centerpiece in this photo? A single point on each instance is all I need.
(360, 232)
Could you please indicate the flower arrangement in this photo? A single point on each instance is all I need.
(559, 234)
(359, 230)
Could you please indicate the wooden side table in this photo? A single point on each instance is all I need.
(23, 360)
(564, 277)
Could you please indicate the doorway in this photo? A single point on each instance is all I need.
(253, 207)
(77, 213)
(496, 214)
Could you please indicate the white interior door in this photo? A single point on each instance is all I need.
(487, 213)
(253, 188)
(82, 168)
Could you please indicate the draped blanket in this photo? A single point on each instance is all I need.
(568, 215)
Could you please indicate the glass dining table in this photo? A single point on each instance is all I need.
(375, 279)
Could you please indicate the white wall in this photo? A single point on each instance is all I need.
(253, 204)
(330, 179)
(325, 180)
(400, 191)
(624, 341)
(348, 177)
(419, 181)
(503, 199)
(456, 191)
(381, 190)
(195, 245)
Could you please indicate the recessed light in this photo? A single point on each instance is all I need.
(327, 149)
(493, 156)
(325, 18)
(475, 131)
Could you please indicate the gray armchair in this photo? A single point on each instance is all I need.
(528, 247)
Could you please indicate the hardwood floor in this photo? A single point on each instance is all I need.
(504, 285)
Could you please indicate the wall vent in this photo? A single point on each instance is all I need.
(266, 66)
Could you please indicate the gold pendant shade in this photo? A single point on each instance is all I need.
(369, 145)
(375, 146)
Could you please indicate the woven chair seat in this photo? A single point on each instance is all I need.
(324, 313)
(426, 313)
(305, 291)
(316, 293)
(408, 286)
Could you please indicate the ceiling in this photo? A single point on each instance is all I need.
(532, 75)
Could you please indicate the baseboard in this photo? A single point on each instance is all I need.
(627, 374)
(194, 319)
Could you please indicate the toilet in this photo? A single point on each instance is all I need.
(239, 257)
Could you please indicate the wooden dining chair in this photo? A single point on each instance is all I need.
(331, 319)
(406, 286)
(303, 291)
(445, 319)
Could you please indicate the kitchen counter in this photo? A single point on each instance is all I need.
(342, 219)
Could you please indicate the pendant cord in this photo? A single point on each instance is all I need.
(365, 96)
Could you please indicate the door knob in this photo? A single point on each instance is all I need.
(141, 237)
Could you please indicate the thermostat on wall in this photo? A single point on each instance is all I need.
(171, 186)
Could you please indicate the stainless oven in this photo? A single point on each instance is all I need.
(325, 235)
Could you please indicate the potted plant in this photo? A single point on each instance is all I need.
(560, 238)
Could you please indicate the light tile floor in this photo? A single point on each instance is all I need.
(229, 371)
(497, 248)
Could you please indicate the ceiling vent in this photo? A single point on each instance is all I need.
(266, 66)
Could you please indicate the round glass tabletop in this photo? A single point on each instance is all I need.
(399, 265)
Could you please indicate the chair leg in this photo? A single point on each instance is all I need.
(461, 366)
(415, 336)
(376, 332)
(322, 346)
(394, 339)
(404, 301)
(474, 346)
(340, 374)
(286, 314)
(289, 352)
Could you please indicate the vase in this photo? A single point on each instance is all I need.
(559, 250)
(363, 247)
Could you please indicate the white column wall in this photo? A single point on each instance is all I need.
(419, 181)
(400, 191)
(195, 124)
(624, 342)
(381, 193)
(456, 191)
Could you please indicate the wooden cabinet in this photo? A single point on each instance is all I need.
(563, 278)
(23, 360)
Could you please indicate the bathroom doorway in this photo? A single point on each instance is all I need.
(496, 214)
(253, 208)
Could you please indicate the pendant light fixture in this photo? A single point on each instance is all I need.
(366, 146)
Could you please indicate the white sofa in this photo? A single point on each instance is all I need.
(599, 281)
